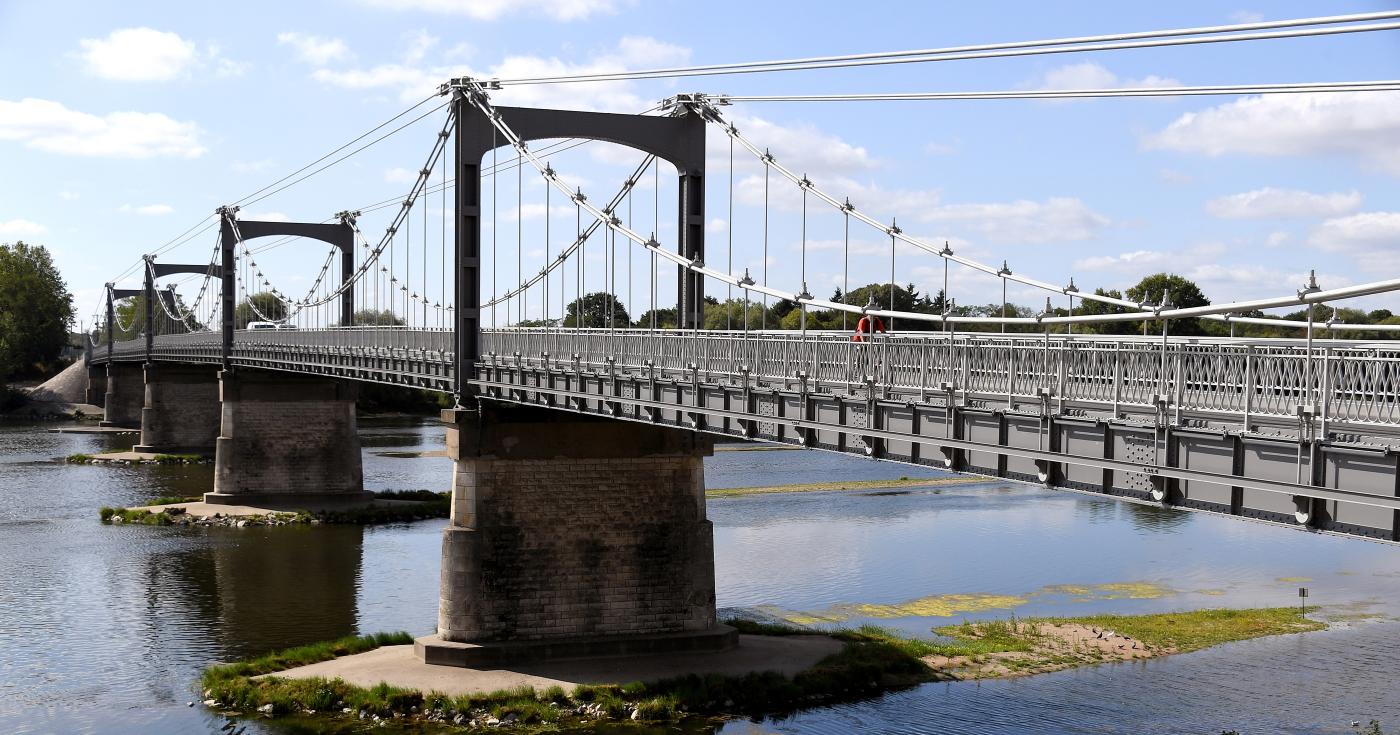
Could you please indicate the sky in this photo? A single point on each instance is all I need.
(123, 125)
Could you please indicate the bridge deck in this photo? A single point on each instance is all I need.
(1260, 428)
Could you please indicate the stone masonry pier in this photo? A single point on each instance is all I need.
(125, 396)
(96, 392)
(573, 536)
(287, 440)
(182, 411)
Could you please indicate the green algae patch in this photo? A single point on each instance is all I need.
(937, 606)
(1081, 590)
(1131, 591)
(954, 604)
(846, 485)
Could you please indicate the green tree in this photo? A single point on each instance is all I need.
(268, 305)
(36, 310)
(729, 314)
(1184, 294)
(372, 318)
(596, 307)
(1096, 308)
(665, 318)
(131, 313)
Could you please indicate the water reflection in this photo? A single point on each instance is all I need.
(273, 584)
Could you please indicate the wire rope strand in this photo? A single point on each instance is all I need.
(1110, 42)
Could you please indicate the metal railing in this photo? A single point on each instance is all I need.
(1334, 381)
(1338, 381)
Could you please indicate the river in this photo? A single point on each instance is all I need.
(104, 629)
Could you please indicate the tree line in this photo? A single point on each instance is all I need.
(601, 309)
(36, 313)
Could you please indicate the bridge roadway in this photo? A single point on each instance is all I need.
(1263, 429)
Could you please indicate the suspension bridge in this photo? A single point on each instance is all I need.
(569, 413)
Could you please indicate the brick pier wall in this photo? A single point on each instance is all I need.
(126, 394)
(286, 439)
(182, 411)
(567, 527)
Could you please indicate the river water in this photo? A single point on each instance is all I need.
(105, 628)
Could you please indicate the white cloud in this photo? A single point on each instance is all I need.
(1172, 176)
(264, 216)
(717, 225)
(252, 167)
(68, 196)
(49, 126)
(1277, 238)
(1271, 203)
(21, 228)
(138, 55)
(225, 67)
(1372, 238)
(1362, 125)
(1091, 75)
(800, 147)
(315, 50)
(1057, 219)
(419, 43)
(413, 79)
(1221, 281)
(559, 10)
(1246, 16)
(940, 149)
(148, 209)
(400, 175)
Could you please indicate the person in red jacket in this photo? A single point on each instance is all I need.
(868, 324)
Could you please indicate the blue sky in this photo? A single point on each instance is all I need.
(122, 125)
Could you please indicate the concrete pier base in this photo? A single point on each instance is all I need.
(182, 412)
(287, 439)
(573, 537)
(125, 396)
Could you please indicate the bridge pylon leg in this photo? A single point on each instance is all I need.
(126, 394)
(287, 441)
(573, 537)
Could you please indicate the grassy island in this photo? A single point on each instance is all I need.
(873, 660)
(167, 511)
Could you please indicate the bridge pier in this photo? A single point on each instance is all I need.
(126, 394)
(96, 392)
(287, 440)
(571, 537)
(182, 410)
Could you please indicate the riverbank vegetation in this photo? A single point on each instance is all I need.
(873, 660)
(36, 311)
